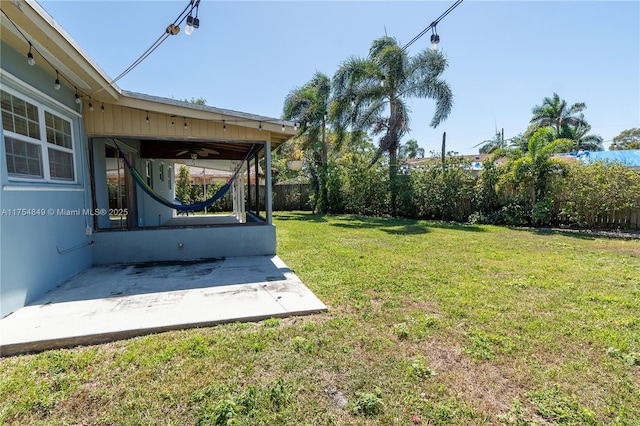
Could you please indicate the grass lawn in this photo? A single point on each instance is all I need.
(428, 323)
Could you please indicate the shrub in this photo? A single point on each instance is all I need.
(542, 213)
(597, 188)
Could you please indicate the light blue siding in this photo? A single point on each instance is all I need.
(182, 244)
(39, 252)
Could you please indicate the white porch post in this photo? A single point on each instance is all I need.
(238, 195)
(267, 183)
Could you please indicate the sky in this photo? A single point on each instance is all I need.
(504, 57)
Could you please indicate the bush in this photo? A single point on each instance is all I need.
(442, 194)
(514, 213)
(542, 213)
(598, 188)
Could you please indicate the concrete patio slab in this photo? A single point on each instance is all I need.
(113, 302)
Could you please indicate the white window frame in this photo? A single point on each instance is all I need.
(42, 142)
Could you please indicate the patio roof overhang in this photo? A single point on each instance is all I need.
(277, 131)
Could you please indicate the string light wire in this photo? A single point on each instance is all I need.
(193, 4)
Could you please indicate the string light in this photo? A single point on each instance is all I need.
(102, 107)
(185, 124)
(171, 29)
(224, 126)
(30, 59)
(260, 125)
(432, 25)
(383, 81)
(283, 126)
(435, 38)
(147, 119)
(90, 104)
(196, 21)
(188, 30)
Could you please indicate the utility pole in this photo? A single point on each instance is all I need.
(444, 144)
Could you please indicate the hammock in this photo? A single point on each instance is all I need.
(137, 177)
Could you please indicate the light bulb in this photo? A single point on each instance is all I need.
(30, 59)
(435, 39)
(90, 106)
(56, 85)
(78, 100)
(188, 30)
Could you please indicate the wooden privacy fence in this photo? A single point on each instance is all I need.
(292, 197)
(628, 219)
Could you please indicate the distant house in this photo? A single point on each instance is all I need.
(473, 162)
(68, 199)
(630, 158)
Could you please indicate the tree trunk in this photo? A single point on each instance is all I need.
(393, 159)
(324, 191)
(315, 182)
(393, 179)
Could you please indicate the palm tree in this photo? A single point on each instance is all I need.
(410, 149)
(556, 113)
(492, 145)
(583, 140)
(309, 105)
(519, 141)
(370, 95)
(533, 169)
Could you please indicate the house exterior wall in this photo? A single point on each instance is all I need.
(45, 247)
(152, 212)
(183, 244)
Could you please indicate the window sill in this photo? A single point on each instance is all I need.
(42, 187)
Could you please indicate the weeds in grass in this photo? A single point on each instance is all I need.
(367, 403)
(556, 406)
(418, 368)
(516, 416)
